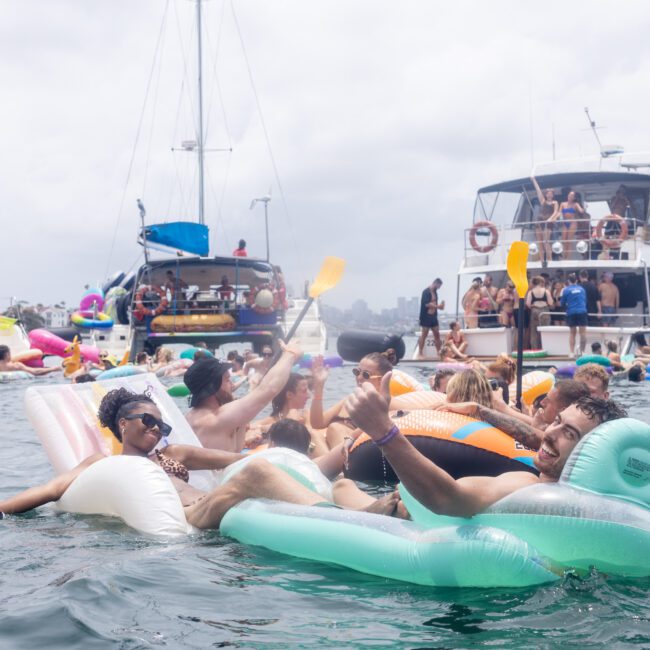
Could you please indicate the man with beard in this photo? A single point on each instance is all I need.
(220, 422)
(436, 489)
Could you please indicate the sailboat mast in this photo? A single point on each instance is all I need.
(200, 133)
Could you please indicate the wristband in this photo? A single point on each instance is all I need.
(388, 437)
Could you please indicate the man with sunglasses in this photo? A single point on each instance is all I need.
(219, 421)
(464, 497)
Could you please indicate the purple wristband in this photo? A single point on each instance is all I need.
(388, 437)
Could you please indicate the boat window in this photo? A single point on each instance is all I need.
(497, 207)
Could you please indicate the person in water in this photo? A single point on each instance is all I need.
(429, 306)
(595, 378)
(136, 421)
(549, 213)
(436, 489)
(256, 367)
(219, 421)
(335, 419)
(7, 365)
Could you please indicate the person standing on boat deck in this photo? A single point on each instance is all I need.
(548, 214)
(574, 298)
(506, 302)
(571, 210)
(593, 298)
(470, 303)
(176, 286)
(609, 298)
(240, 251)
(487, 305)
(539, 301)
(219, 421)
(429, 306)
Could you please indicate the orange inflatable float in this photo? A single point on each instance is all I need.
(460, 445)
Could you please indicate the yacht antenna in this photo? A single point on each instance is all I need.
(200, 133)
(143, 212)
(265, 199)
(594, 128)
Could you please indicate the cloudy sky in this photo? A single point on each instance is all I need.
(379, 120)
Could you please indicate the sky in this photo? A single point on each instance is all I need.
(372, 123)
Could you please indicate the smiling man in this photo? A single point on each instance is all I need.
(464, 497)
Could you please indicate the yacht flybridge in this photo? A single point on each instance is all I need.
(598, 241)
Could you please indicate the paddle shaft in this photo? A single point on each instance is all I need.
(520, 349)
(294, 327)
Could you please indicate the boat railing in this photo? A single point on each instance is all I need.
(615, 321)
(577, 240)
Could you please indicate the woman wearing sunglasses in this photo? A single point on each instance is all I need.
(136, 422)
(336, 419)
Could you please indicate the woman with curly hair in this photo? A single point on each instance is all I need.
(136, 422)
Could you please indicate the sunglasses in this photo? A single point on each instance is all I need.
(150, 422)
(267, 354)
(357, 372)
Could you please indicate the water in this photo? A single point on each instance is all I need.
(69, 581)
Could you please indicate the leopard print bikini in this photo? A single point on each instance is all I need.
(172, 467)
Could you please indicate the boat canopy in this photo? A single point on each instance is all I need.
(558, 181)
(180, 235)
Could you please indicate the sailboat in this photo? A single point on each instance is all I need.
(189, 296)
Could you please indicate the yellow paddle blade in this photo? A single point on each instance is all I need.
(516, 265)
(6, 323)
(328, 277)
(125, 358)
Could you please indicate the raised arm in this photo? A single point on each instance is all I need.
(428, 483)
(242, 411)
(51, 491)
(538, 191)
(318, 418)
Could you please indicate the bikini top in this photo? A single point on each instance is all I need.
(568, 210)
(172, 467)
(539, 301)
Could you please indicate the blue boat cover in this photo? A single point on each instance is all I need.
(182, 235)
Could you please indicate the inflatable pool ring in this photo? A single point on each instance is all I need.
(454, 366)
(461, 445)
(531, 354)
(113, 297)
(566, 371)
(143, 294)
(353, 345)
(593, 358)
(121, 371)
(418, 399)
(614, 242)
(402, 383)
(533, 385)
(494, 236)
(92, 299)
(193, 323)
(596, 515)
(91, 320)
(190, 352)
(52, 344)
(14, 375)
(329, 362)
(179, 390)
(264, 299)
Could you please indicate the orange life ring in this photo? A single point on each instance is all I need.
(494, 234)
(141, 310)
(264, 310)
(607, 242)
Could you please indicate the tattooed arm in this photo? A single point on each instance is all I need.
(527, 435)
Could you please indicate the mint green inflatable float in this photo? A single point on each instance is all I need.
(597, 515)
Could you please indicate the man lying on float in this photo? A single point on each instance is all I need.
(467, 496)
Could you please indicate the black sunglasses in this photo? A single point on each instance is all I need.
(267, 354)
(150, 422)
(364, 373)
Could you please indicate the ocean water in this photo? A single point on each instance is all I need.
(69, 581)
